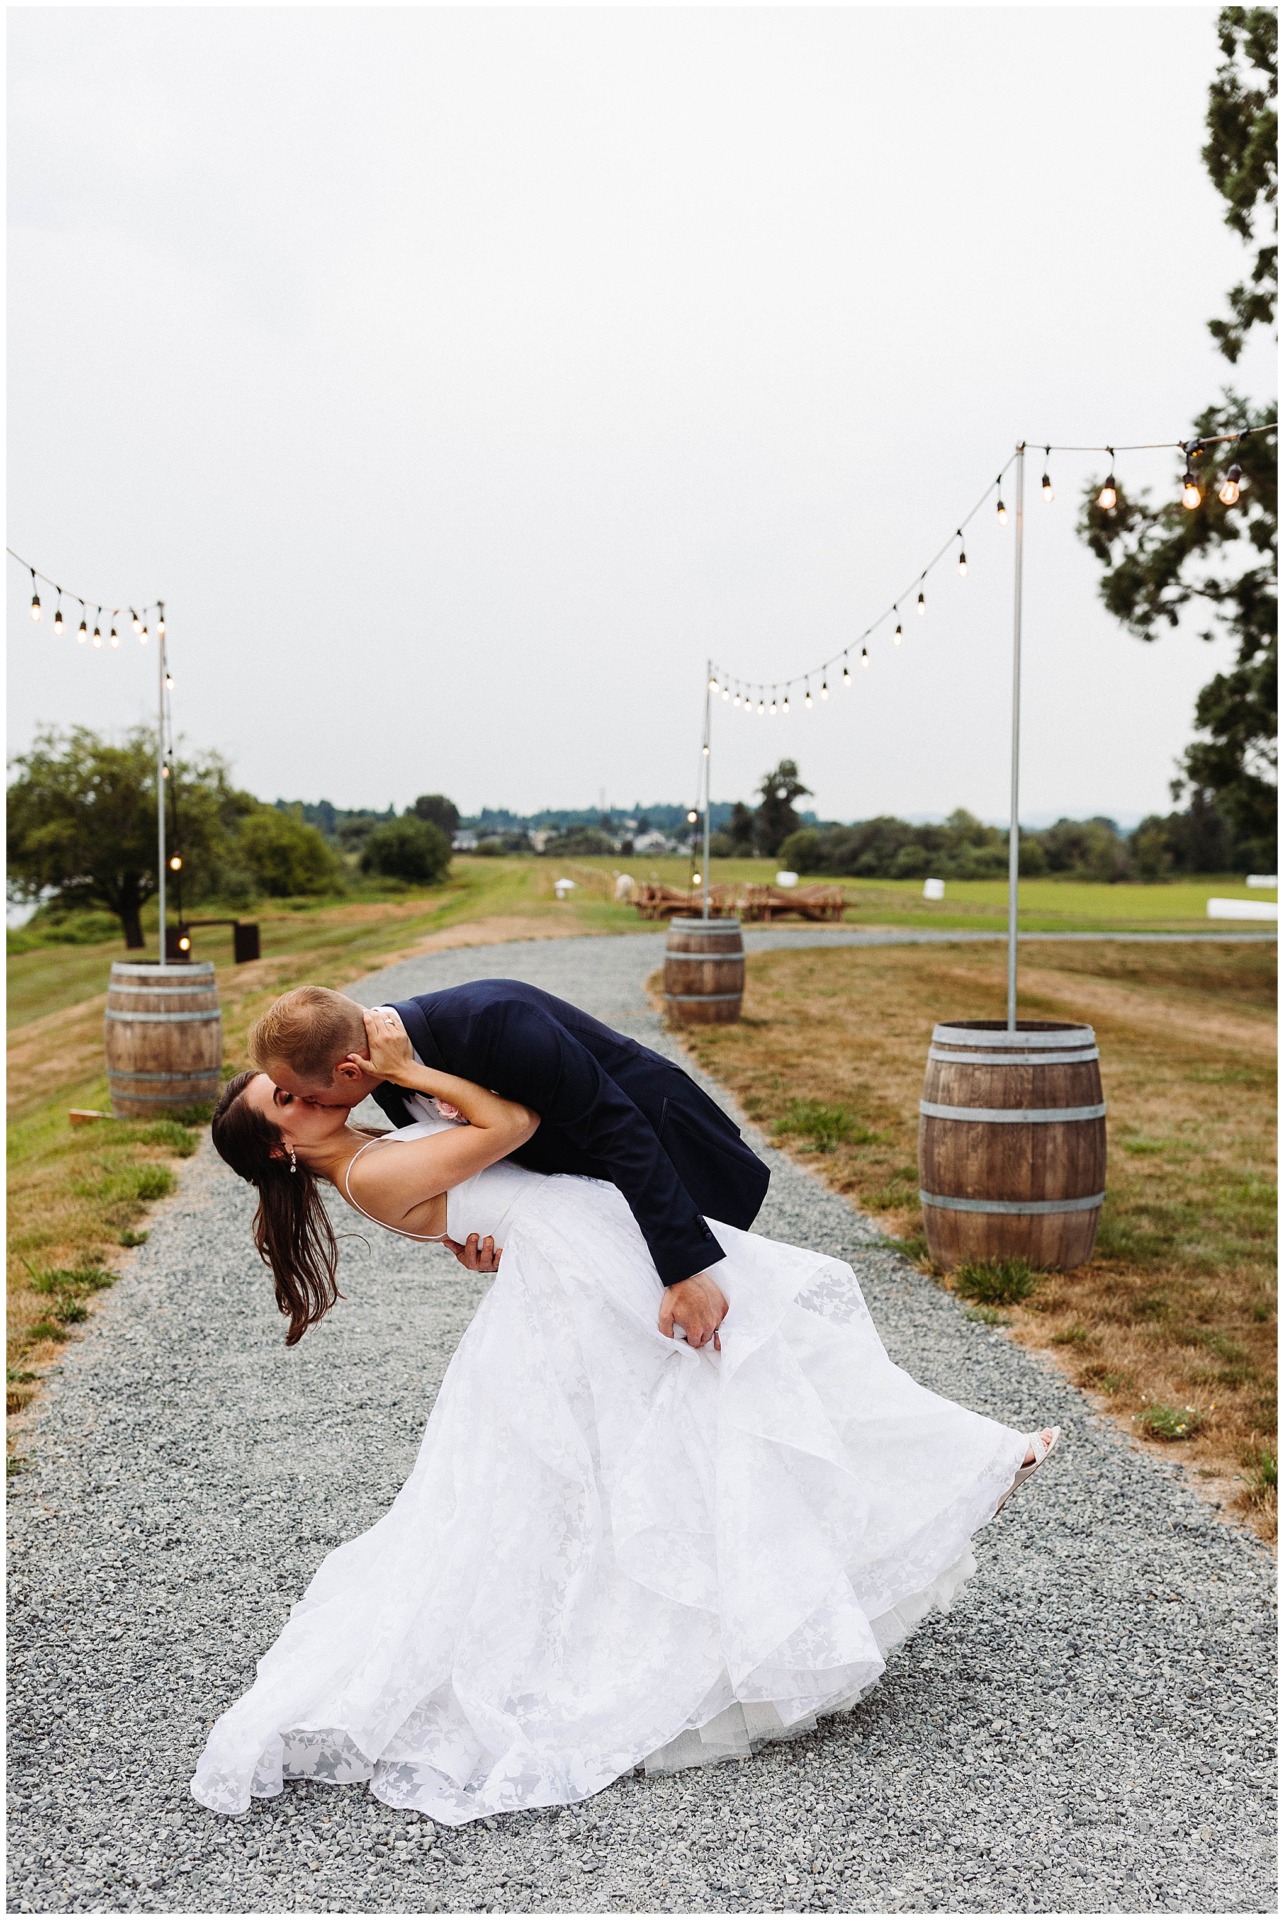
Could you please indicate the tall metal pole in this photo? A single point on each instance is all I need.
(160, 791)
(1014, 826)
(704, 757)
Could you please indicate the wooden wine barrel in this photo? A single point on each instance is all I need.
(704, 972)
(164, 1036)
(1012, 1143)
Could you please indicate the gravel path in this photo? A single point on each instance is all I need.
(1090, 1730)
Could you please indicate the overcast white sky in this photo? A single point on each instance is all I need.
(463, 378)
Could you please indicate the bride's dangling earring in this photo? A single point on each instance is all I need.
(294, 1165)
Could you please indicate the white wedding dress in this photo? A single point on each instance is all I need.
(613, 1548)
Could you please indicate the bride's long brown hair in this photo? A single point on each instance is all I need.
(292, 1229)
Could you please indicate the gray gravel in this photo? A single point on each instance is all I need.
(1090, 1730)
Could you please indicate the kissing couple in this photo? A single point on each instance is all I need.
(673, 1498)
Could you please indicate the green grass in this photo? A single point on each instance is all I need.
(1171, 1423)
(46, 978)
(995, 1283)
(821, 1127)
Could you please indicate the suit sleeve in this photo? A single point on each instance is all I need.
(535, 1060)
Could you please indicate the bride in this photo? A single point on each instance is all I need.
(614, 1548)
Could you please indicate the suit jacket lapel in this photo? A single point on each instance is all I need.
(415, 1022)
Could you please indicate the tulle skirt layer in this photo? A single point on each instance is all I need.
(614, 1549)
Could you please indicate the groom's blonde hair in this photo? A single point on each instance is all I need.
(311, 1029)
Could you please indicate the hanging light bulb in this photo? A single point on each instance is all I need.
(962, 557)
(736, 698)
(142, 638)
(762, 705)
(165, 773)
(138, 625)
(98, 637)
(115, 638)
(771, 710)
(922, 605)
(58, 613)
(185, 944)
(807, 700)
(1228, 492)
(160, 624)
(82, 631)
(35, 597)
(1001, 512)
(695, 880)
(175, 862)
(692, 816)
(1109, 495)
(847, 673)
(169, 681)
(864, 656)
(726, 693)
(1046, 482)
(713, 683)
(1191, 494)
(824, 689)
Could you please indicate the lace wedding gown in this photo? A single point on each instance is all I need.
(614, 1548)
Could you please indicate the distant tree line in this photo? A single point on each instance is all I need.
(82, 837)
(1198, 840)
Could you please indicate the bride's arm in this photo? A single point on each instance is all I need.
(395, 1185)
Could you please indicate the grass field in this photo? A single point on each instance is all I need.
(77, 1196)
(1173, 1322)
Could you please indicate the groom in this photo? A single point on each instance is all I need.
(608, 1107)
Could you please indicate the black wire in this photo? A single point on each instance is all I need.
(1152, 446)
(1142, 446)
(894, 607)
(153, 606)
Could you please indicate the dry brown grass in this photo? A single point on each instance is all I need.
(1177, 1307)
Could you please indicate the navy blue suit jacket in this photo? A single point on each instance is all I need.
(608, 1107)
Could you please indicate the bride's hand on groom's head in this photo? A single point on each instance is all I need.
(389, 1044)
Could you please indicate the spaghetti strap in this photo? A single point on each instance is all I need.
(354, 1202)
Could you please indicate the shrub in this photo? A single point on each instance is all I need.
(995, 1283)
(800, 853)
(407, 849)
(282, 855)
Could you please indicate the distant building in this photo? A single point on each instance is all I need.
(655, 843)
(464, 841)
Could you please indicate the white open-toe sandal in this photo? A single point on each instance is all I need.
(1041, 1449)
